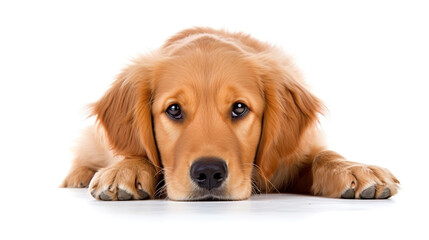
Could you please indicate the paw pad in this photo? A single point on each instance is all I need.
(385, 194)
(123, 195)
(368, 193)
(142, 194)
(348, 194)
(103, 196)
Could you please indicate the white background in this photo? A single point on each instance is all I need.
(368, 61)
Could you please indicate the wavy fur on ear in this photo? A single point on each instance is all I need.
(125, 112)
(289, 110)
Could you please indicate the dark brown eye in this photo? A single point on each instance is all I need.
(174, 111)
(239, 110)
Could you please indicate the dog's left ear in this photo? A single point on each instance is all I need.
(124, 112)
(290, 109)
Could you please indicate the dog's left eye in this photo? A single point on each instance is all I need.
(239, 110)
(174, 111)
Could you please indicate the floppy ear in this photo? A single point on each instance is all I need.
(289, 110)
(125, 113)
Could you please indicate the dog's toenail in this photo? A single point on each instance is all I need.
(348, 194)
(385, 194)
(123, 195)
(368, 193)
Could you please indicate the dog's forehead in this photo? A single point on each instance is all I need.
(203, 71)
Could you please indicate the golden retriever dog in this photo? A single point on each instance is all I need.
(214, 115)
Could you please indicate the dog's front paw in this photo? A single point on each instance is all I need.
(129, 179)
(78, 177)
(335, 177)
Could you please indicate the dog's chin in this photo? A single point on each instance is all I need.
(209, 195)
(209, 198)
(204, 195)
(215, 194)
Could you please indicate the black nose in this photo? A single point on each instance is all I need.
(209, 173)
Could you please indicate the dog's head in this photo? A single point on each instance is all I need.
(210, 113)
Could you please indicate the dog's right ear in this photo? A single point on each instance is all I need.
(125, 113)
(290, 109)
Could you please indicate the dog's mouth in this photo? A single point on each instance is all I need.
(209, 195)
(209, 198)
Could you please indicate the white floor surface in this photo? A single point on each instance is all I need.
(74, 214)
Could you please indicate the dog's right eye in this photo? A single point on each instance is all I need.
(239, 110)
(174, 111)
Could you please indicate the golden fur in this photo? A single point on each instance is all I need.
(137, 151)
